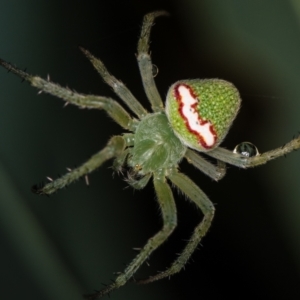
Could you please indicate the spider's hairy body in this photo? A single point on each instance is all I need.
(156, 147)
(198, 115)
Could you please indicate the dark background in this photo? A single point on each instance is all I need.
(68, 244)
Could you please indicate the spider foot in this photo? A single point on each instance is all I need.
(105, 291)
(38, 188)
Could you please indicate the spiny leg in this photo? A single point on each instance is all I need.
(113, 108)
(118, 87)
(114, 148)
(168, 211)
(249, 162)
(195, 194)
(145, 64)
(214, 172)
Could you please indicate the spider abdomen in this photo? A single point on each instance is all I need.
(155, 145)
(202, 111)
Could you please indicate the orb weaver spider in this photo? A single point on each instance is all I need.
(196, 118)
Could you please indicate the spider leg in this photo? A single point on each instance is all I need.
(249, 162)
(168, 211)
(195, 194)
(118, 87)
(113, 108)
(145, 64)
(214, 172)
(115, 147)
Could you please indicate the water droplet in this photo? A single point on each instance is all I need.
(246, 149)
(154, 70)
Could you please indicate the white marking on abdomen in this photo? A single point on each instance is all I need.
(191, 115)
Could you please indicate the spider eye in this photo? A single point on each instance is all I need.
(246, 149)
(202, 111)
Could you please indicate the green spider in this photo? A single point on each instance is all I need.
(197, 115)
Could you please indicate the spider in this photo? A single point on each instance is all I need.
(196, 117)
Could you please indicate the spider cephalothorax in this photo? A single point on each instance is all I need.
(198, 115)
